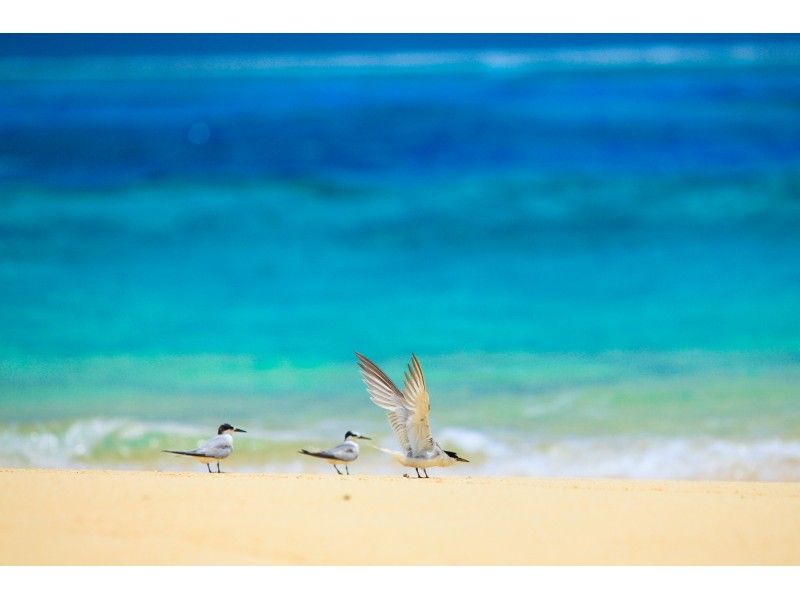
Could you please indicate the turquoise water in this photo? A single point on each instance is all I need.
(591, 244)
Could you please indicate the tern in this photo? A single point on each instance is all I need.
(216, 449)
(341, 454)
(408, 416)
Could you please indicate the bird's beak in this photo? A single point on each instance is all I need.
(238, 430)
(365, 438)
(461, 459)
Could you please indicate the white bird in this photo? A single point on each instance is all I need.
(341, 454)
(408, 416)
(216, 449)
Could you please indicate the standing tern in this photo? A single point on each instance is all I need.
(341, 454)
(216, 449)
(408, 416)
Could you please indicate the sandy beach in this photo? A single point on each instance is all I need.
(121, 517)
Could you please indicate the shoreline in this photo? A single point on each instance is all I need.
(143, 517)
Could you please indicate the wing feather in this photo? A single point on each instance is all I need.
(342, 452)
(218, 447)
(398, 419)
(415, 395)
(383, 392)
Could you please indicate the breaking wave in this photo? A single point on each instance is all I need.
(539, 59)
(124, 444)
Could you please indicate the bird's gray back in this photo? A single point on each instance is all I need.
(347, 451)
(220, 446)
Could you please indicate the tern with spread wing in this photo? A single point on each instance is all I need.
(218, 448)
(342, 454)
(408, 416)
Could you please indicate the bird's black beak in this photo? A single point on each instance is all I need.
(462, 459)
(238, 430)
(365, 438)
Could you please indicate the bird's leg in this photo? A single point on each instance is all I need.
(417, 470)
(209, 467)
(337, 469)
(347, 469)
(218, 471)
(425, 471)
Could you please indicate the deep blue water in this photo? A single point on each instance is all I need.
(490, 207)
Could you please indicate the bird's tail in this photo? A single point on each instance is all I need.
(187, 453)
(310, 454)
(396, 455)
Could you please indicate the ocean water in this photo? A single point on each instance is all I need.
(591, 243)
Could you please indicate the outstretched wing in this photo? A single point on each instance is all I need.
(383, 392)
(416, 395)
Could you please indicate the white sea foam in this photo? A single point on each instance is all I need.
(657, 55)
(473, 442)
(46, 447)
(113, 442)
(652, 458)
(119, 443)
